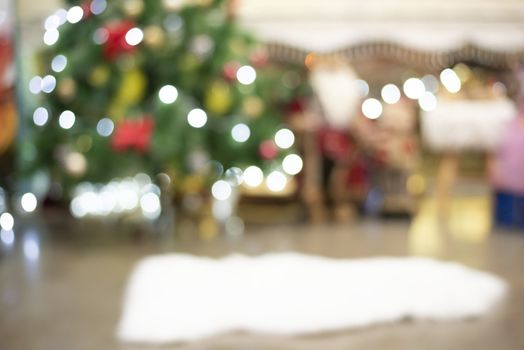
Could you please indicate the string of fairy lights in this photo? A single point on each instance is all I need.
(423, 90)
(132, 194)
(139, 194)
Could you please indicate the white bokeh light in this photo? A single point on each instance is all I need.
(59, 63)
(31, 248)
(51, 37)
(66, 120)
(75, 14)
(372, 108)
(276, 181)
(414, 88)
(150, 205)
(234, 176)
(35, 85)
(253, 176)
(48, 84)
(430, 82)
(390, 93)
(246, 75)
(28, 202)
(62, 15)
(450, 80)
(98, 6)
(134, 36)
(7, 237)
(292, 164)
(168, 94)
(52, 22)
(197, 118)
(284, 138)
(362, 87)
(221, 190)
(105, 127)
(7, 222)
(100, 36)
(40, 116)
(240, 132)
(428, 102)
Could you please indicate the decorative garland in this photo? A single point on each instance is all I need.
(423, 58)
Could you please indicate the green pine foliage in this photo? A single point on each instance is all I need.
(194, 45)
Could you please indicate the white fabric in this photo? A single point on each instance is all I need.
(467, 125)
(337, 93)
(183, 297)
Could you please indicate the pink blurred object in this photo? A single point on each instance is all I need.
(508, 172)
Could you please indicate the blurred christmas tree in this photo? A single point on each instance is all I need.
(156, 86)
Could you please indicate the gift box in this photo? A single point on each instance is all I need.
(509, 210)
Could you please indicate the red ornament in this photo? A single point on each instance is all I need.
(268, 150)
(133, 134)
(116, 43)
(230, 70)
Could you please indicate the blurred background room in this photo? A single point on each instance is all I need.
(132, 130)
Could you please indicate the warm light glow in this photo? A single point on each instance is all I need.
(414, 88)
(276, 181)
(450, 80)
(292, 164)
(253, 176)
(197, 118)
(40, 116)
(240, 132)
(168, 94)
(390, 93)
(372, 108)
(246, 75)
(66, 120)
(134, 36)
(284, 138)
(221, 190)
(28, 202)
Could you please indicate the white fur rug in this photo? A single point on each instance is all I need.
(182, 297)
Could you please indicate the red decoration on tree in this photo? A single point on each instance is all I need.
(116, 43)
(230, 70)
(133, 134)
(268, 150)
